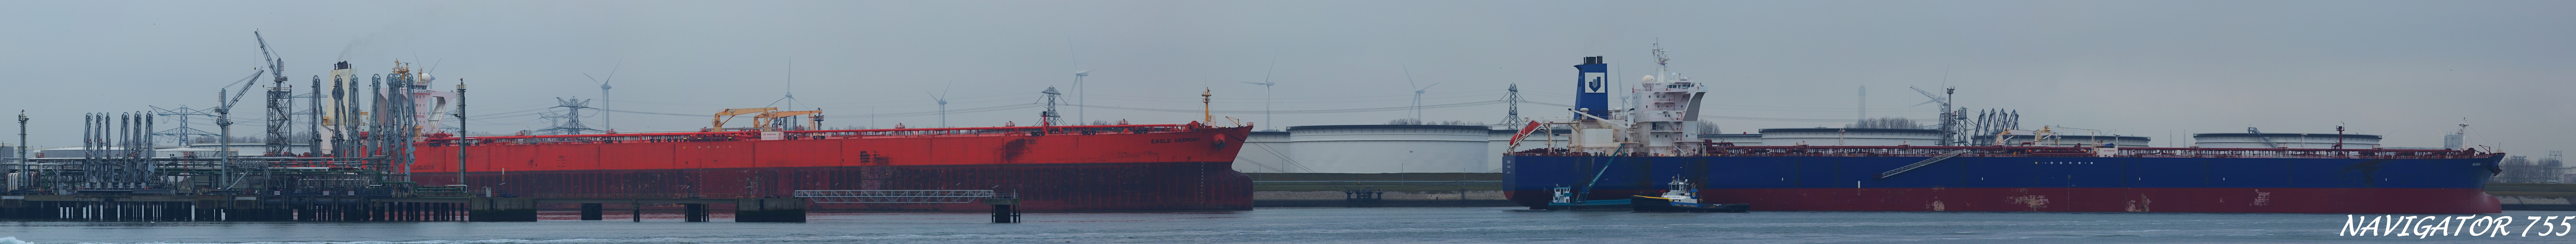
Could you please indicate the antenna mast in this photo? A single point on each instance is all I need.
(1207, 112)
(460, 131)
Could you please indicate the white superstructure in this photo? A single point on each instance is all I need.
(1658, 121)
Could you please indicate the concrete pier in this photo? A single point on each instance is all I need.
(502, 210)
(1005, 210)
(769, 210)
(363, 209)
(693, 212)
(590, 211)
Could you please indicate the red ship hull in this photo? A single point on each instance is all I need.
(1081, 168)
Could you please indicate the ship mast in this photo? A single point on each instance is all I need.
(1207, 114)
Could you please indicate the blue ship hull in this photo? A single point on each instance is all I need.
(2025, 183)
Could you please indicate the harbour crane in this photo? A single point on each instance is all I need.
(224, 121)
(278, 96)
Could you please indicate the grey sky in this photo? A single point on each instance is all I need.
(2404, 69)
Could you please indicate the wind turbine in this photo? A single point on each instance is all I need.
(604, 101)
(1948, 118)
(942, 97)
(1265, 99)
(791, 85)
(1265, 93)
(1078, 114)
(1417, 94)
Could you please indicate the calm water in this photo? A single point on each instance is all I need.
(1293, 225)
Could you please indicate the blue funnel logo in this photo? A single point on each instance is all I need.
(1596, 83)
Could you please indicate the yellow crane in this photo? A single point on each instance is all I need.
(769, 119)
(727, 115)
(762, 117)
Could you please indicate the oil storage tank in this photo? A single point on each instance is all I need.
(1265, 152)
(1391, 148)
(2283, 140)
(1850, 137)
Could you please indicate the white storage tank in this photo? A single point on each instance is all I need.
(2283, 140)
(1390, 148)
(1265, 152)
(1850, 137)
(1743, 139)
(2070, 140)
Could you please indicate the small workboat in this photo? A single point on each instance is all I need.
(1683, 198)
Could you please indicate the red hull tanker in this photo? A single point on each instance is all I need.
(1052, 168)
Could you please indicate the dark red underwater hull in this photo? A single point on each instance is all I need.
(1043, 187)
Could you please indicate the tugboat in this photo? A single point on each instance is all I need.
(1683, 198)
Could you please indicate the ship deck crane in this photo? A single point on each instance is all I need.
(772, 119)
(728, 114)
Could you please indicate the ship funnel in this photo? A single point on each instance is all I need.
(1592, 86)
